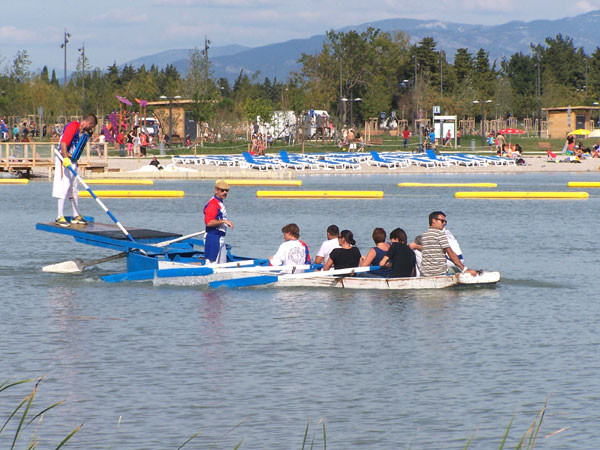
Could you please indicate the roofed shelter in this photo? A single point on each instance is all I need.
(183, 124)
(563, 119)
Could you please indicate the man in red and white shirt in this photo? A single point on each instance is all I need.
(215, 219)
(65, 182)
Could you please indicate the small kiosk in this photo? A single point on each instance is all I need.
(443, 124)
(564, 119)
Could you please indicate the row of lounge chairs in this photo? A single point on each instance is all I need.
(344, 161)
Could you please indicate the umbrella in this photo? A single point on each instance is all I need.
(511, 131)
(124, 100)
(581, 132)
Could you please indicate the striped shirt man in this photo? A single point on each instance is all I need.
(433, 260)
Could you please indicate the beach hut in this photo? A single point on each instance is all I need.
(563, 119)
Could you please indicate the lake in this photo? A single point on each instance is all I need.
(146, 367)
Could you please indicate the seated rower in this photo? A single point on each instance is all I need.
(376, 254)
(346, 256)
(333, 233)
(403, 259)
(292, 252)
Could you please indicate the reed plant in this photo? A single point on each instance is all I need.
(528, 440)
(24, 415)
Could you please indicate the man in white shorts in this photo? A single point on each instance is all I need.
(65, 182)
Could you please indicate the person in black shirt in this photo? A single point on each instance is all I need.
(401, 256)
(345, 257)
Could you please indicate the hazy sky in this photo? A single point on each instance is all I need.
(124, 30)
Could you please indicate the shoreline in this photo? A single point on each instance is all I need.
(128, 168)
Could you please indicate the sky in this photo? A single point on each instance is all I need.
(122, 30)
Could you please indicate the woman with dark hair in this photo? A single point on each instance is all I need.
(345, 257)
(376, 254)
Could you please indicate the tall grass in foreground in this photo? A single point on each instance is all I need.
(25, 416)
(528, 440)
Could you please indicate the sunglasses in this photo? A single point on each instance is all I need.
(224, 190)
(441, 220)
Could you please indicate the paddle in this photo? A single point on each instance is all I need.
(83, 183)
(78, 265)
(268, 279)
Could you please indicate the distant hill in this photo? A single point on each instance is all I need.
(172, 56)
(278, 60)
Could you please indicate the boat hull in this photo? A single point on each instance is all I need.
(441, 282)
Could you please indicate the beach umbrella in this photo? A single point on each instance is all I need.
(510, 132)
(581, 132)
(124, 100)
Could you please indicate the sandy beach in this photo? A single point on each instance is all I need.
(134, 168)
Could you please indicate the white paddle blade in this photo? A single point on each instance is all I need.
(65, 267)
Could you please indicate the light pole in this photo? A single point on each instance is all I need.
(351, 100)
(64, 46)
(82, 51)
(170, 98)
(482, 102)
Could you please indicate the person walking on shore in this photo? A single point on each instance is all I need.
(65, 182)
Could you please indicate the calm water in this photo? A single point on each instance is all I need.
(145, 367)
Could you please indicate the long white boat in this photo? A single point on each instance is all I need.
(343, 278)
(439, 282)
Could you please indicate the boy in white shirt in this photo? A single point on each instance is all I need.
(292, 252)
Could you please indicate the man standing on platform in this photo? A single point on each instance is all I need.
(215, 219)
(65, 182)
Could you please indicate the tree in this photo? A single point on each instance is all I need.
(44, 75)
(258, 107)
(198, 79)
(20, 68)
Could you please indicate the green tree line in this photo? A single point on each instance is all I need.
(383, 70)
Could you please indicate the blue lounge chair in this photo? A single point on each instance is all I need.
(296, 162)
(378, 161)
(250, 163)
(439, 161)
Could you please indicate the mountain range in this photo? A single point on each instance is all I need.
(278, 60)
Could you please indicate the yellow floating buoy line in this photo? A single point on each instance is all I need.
(588, 184)
(134, 194)
(120, 181)
(14, 181)
(490, 185)
(264, 182)
(319, 194)
(522, 195)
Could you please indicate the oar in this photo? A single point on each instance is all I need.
(78, 265)
(268, 279)
(83, 183)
